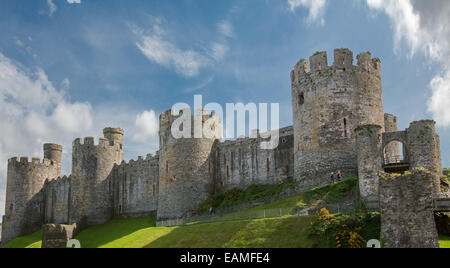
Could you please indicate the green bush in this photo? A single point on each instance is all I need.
(332, 192)
(347, 230)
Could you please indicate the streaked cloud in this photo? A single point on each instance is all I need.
(51, 7)
(423, 27)
(316, 9)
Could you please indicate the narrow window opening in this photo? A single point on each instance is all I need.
(345, 127)
(301, 99)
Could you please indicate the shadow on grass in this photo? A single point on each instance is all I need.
(33, 240)
(102, 235)
(287, 232)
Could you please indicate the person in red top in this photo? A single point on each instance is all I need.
(339, 176)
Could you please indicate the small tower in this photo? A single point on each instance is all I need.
(369, 146)
(91, 195)
(328, 103)
(185, 177)
(53, 152)
(24, 209)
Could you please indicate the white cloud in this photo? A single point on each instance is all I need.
(74, 1)
(33, 112)
(146, 126)
(52, 7)
(439, 103)
(423, 27)
(157, 48)
(226, 28)
(316, 9)
(219, 51)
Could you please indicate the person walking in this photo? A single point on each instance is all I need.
(212, 211)
(332, 177)
(339, 176)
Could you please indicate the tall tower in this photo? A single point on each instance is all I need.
(24, 210)
(329, 102)
(91, 189)
(185, 166)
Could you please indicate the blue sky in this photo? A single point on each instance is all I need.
(69, 68)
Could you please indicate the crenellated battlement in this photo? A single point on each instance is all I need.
(90, 142)
(35, 161)
(149, 159)
(60, 180)
(343, 61)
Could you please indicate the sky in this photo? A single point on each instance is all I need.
(69, 68)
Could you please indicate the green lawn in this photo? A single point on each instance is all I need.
(30, 241)
(444, 241)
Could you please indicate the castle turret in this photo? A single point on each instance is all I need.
(53, 152)
(328, 103)
(24, 210)
(369, 146)
(91, 198)
(392, 150)
(185, 168)
(424, 148)
(114, 135)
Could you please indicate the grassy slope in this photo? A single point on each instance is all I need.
(29, 241)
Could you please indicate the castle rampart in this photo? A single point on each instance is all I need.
(242, 162)
(56, 200)
(135, 187)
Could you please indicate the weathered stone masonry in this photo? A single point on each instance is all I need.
(328, 103)
(339, 124)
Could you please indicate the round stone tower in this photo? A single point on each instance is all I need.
(24, 211)
(329, 102)
(185, 164)
(91, 190)
(53, 152)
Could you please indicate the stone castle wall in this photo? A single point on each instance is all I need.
(406, 205)
(57, 200)
(242, 162)
(135, 187)
(328, 103)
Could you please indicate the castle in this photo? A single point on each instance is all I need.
(339, 124)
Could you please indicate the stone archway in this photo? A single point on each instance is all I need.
(395, 153)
